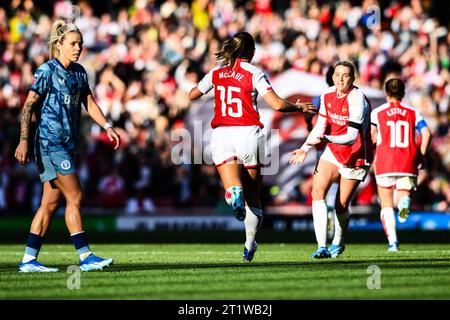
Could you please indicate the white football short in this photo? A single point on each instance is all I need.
(351, 173)
(397, 182)
(242, 143)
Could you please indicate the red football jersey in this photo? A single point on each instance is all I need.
(235, 93)
(339, 111)
(397, 141)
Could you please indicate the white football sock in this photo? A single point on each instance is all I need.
(340, 227)
(387, 216)
(320, 217)
(253, 219)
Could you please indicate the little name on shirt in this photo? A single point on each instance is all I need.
(395, 111)
(232, 74)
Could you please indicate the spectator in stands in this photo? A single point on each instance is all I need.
(307, 29)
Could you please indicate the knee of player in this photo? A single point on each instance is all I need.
(75, 198)
(50, 206)
(318, 193)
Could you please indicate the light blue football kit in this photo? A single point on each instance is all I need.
(61, 91)
(58, 112)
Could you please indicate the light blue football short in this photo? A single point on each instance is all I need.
(62, 162)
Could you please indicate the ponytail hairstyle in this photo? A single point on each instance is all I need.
(395, 88)
(241, 45)
(59, 30)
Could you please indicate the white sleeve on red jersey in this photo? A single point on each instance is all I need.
(420, 121)
(319, 127)
(317, 131)
(374, 121)
(419, 116)
(322, 109)
(357, 106)
(206, 84)
(346, 139)
(261, 82)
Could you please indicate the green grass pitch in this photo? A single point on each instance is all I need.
(215, 271)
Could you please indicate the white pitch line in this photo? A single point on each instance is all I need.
(424, 251)
(131, 253)
(198, 252)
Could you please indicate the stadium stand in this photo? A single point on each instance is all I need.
(144, 56)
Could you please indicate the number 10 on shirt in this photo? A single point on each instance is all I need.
(399, 133)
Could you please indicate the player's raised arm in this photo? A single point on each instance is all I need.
(97, 115)
(21, 153)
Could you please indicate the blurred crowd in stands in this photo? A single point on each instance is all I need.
(143, 57)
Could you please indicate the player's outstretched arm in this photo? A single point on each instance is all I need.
(315, 137)
(195, 93)
(21, 153)
(278, 104)
(297, 156)
(97, 115)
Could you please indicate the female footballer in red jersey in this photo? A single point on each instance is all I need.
(398, 154)
(237, 139)
(343, 125)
